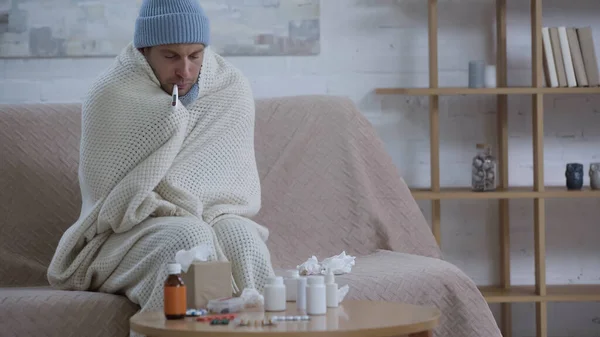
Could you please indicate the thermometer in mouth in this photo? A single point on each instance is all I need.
(175, 95)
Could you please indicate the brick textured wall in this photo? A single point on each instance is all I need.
(381, 43)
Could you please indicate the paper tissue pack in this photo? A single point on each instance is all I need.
(204, 280)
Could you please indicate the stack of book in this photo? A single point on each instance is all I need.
(569, 57)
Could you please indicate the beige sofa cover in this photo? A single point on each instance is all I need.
(328, 186)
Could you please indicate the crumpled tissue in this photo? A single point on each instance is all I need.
(186, 257)
(252, 298)
(342, 292)
(339, 264)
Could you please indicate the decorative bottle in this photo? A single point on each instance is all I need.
(483, 172)
(175, 297)
(274, 294)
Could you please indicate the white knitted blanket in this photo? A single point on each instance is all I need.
(141, 157)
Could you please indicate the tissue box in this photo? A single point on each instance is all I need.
(207, 281)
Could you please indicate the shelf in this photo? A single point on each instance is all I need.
(510, 193)
(554, 293)
(485, 91)
(537, 90)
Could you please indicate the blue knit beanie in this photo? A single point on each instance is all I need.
(170, 22)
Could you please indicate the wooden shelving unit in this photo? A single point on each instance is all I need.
(555, 293)
(501, 193)
(448, 91)
(504, 293)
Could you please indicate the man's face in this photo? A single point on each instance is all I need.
(176, 64)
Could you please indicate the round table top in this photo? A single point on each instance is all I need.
(351, 318)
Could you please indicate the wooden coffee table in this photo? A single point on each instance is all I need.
(351, 319)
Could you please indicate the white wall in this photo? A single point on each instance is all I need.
(380, 43)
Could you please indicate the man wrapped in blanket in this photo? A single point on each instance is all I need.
(157, 178)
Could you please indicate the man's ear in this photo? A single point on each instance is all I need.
(144, 50)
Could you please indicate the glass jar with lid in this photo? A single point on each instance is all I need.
(483, 170)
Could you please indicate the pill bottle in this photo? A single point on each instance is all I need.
(301, 294)
(291, 287)
(274, 294)
(331, 289)
(175, 297)
(316, 303)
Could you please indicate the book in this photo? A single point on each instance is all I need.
(548, 59)
(566, 54)
(586, 43)
(558, 58)
(577, 57)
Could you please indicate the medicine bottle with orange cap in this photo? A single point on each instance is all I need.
(175, 297)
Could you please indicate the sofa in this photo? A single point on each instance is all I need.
(328, 186)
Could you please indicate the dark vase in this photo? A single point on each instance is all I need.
(574, 175)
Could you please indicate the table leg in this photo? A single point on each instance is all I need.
(428, 333)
